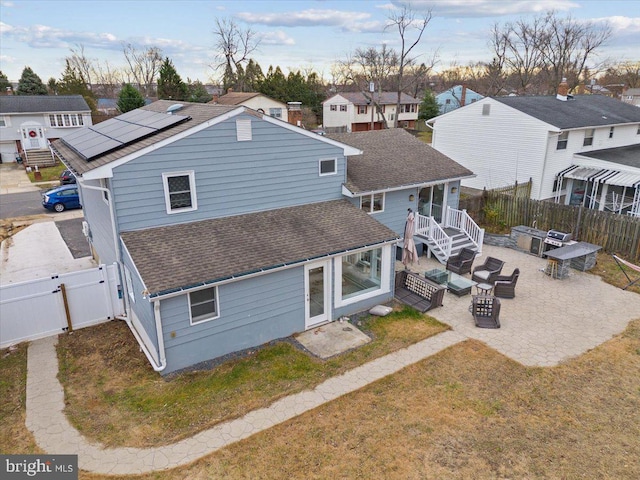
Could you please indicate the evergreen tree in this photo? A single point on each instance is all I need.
(253, 77)
(170, 84)
(30, 84)
(5, 84)
(198, 93)
(72, 83)
(52, 86)
(129, 99)
(429, 107)
(275, 85)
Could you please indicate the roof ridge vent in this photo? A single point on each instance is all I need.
(174, 108)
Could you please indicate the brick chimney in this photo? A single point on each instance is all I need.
(294, 113)
(463, 96)
(563, 90)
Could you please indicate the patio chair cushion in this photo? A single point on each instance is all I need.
(482, 274)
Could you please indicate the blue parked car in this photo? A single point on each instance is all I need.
(61, 198)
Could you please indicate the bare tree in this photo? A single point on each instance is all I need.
(405, 20)
(82, 64)
(233, 47)
(143, 66)
(108, 80)
(568, 45)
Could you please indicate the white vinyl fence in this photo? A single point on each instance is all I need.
(48, 306)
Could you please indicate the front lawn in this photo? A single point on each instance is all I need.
(49, 174)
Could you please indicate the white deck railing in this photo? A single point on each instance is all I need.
(428, 227)
(461, 220)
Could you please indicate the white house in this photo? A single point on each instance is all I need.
(582, 149)
(256, 101)
(29, 122)
(353, 112)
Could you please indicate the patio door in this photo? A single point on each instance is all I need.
(431, 202)
(317, 293)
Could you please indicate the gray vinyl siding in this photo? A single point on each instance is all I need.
(97, 214)
(277, 168)
(252, 312)
(142, 308)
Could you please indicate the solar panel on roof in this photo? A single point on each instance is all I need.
(119, 132)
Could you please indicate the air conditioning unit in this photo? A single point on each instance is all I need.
(85, 229)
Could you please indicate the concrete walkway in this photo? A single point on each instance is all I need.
(548, 322)
(14, 179)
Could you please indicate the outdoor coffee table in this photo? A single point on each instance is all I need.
(484, 288)
(456, 284)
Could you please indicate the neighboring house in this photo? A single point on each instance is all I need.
(353, 112)
(456, 97)
(107, 106)
(232, 228)
(575, 149)
(632, 96)
(256, 101)
(29, 122)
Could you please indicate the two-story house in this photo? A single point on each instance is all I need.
(256, 101)
(582, 149)
(456, 97)
(232, 228)
(353, 112)
(29, 122)
(631, 96)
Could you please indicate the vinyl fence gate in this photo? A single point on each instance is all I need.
(49, 306)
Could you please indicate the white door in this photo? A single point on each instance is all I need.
(317, 291)
(33, 138)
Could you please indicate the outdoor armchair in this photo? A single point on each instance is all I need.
(505, 285)
(462, 262)
(486, 311)
(487, 272)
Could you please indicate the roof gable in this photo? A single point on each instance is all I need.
(42, 104)
(577, 112)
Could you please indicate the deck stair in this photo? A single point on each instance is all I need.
(456, 232)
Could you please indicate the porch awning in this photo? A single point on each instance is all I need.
(601, 175)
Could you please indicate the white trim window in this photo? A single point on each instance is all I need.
(563, 139)
(127, 277)
(362, 275)
(343, 108)
(611, 129)
(66, 120)
(180, 191)
(203, 305)
(3, 122)
(373, 203)
(327, 166)
(588, 137)
(333, 108)
(362, 109)
(275, 112)
(104, 183)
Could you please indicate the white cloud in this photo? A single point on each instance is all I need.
(348, 21)
(487, 8)
(621, 24)
(276, 38)
(7, 4)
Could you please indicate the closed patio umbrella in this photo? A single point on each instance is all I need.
(409, 252)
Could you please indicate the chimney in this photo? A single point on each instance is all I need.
(563, 90)
(295, 113)
(463, 96)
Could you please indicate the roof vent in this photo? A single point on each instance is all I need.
(174, 108)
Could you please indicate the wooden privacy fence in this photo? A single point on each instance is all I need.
(618, 234)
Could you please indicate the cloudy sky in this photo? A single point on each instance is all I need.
(294, 34)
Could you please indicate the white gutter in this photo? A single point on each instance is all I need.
(156, 305)
(348, 193)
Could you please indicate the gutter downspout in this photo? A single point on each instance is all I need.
(156, 305)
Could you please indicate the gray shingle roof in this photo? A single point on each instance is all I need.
(394, 158)
(629, 155)
(580, 111)
(235, 98)
(386, 98)
(199, 113)
(42, 103)
(174, 257)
